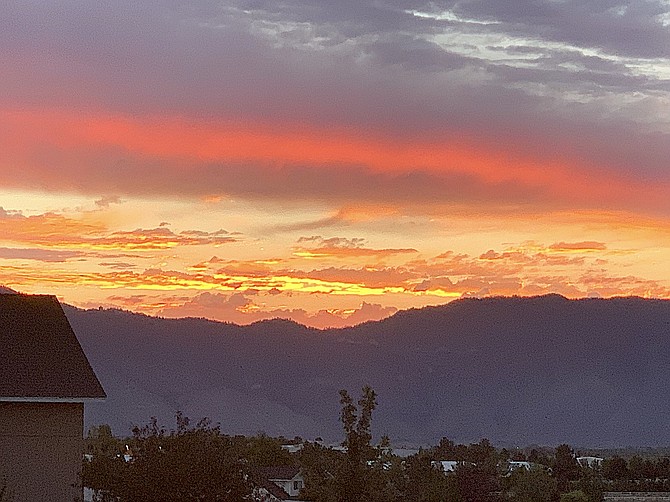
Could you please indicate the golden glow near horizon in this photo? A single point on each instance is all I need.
(87, 256)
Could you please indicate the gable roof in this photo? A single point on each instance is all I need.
(275, 490)
(283, 472)
(41, 356)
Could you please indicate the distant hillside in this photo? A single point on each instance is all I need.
(544, 370)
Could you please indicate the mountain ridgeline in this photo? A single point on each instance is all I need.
(541, 370)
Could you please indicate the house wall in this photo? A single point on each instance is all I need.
(41, 446)
(289, 486)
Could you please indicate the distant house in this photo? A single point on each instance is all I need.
(292, 448)
(45, 379)
(589, 461)
(513, 465)
(281, 483)
(446, 465)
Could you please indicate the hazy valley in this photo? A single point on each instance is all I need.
(542, 370)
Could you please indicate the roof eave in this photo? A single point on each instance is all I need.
(42, 399)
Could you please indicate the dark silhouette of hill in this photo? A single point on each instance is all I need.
(544, 370)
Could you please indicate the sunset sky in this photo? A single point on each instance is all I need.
(332, 161)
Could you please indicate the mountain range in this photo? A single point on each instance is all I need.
(541, 370)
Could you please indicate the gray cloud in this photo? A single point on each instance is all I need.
(589, 78)
(624, 28)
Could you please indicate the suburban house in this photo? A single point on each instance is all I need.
(590, 461)
(446, 465)
(513, 465)
(279, 483)
(45, 378)
(510, 466)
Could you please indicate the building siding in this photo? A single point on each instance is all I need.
(41, 448)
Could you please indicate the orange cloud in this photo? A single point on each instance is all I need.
(376, 277)
(339, 247)
(160, 238)
(45, 229)
(55, 230)
(578, 246)
(183, 148)
(254, 268)
(572, 268)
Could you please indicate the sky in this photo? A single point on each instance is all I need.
(332, 162)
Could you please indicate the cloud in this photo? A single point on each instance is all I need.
(118, 265)
(340, 247)
(254, 268)
(578, 246)
(47, 228)
(162, 238)
(5, 215)
(415, 121)
(608, 285)
(492, 102)
(240, 309)
(446, 275)
(633, 29)
(105, 202)
(376, 277)
(45, 255)
(57, 230)
(259, 162)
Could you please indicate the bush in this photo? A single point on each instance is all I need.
(575, 496)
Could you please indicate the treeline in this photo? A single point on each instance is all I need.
(637, 473)
(199, 462)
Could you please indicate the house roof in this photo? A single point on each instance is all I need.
(41, 356)
(279, 472)
(275, 490)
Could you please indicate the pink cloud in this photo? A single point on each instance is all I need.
(240, 309)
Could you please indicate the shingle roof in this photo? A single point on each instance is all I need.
(279, 472)
(274, 490)
(40, 356)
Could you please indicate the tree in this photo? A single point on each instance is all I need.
(186, 464)
(425, 483)
(539, 457)
(264, 451)
(615, 468)
(483, 455)
(320, 465)
(575, 496)
(566, 468)
(104, 467)
(475, 483)
(592, 484)
(636, 467)
(101, 441)
(356, 421)
(446, 450)
(535, 485)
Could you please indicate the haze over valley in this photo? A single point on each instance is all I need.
(542, 370)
